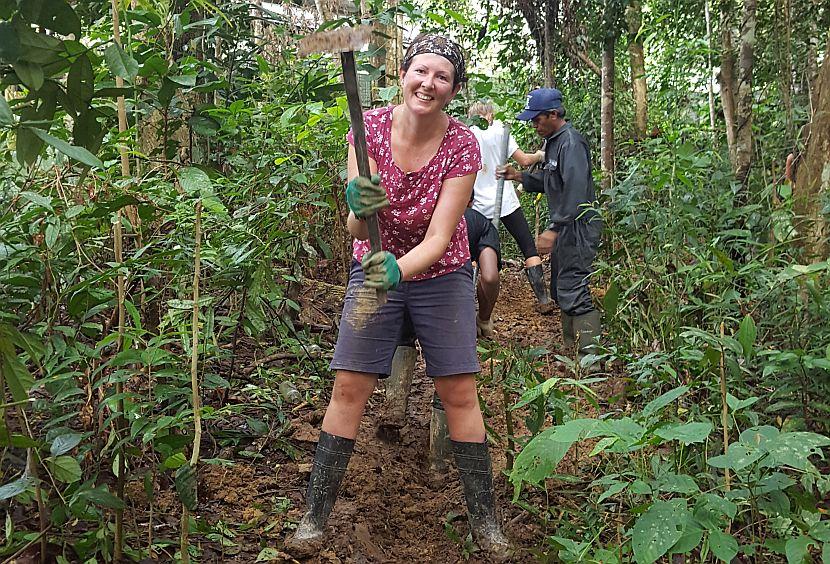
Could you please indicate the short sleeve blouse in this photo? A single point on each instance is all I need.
(412, 196)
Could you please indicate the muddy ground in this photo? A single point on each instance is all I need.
(390, 508)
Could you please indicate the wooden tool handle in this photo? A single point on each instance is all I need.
(359, 133)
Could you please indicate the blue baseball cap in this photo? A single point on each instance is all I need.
(540, 100)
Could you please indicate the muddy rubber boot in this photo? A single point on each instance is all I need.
(476, 473)
(586, 327)
(330, 461)
(568, 335)
(440, 451)
(536, 277)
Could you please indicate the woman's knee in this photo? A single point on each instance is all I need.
(353, 388)
(457, 392)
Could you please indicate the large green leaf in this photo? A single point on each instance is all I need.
(6, 116)
(723, 545)
(100, 495)
(64, 469)
(30, 74)
(659, 403)
(797, 549)
(658, 529)
(74, 152)
(737, 457)
(58, 16)
(746, 335)
(17, 376)
(195, 182)
(16, 487)
(120, 63)
(688, 433)
(80, 83)
(186, 486)
(64, 443)
(9, 43)
(540, 457)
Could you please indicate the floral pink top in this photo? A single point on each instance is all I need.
(412, 196)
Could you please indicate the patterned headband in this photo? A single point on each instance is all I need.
(438, 45)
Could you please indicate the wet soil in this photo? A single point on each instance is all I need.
(390, 509)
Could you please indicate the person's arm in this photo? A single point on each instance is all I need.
(531, 182)
(455, 193)
(527, 159)
(357, 227)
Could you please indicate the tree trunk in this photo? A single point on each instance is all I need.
(710, 87)
(634, 17)
(551, 17)
(812, 176)
(785, 62)
(743, 125)
(607, 111)
(727, 78)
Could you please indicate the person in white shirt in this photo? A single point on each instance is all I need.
(491, 142)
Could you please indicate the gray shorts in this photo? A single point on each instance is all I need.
(441, 311)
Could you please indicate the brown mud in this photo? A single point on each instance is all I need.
(390, 508)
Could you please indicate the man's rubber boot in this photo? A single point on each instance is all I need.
(568, 335)
(586, 327)
(536, 277)
(476, 473)
(330, 461)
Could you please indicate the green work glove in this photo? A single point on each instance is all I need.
(365, 196)
(381, 270)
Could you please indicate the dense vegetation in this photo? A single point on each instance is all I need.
(172, 173)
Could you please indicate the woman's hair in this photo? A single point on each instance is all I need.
(482, 109)
(438, 45)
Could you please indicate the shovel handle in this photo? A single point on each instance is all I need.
(359, 133)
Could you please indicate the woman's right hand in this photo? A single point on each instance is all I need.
(365, 196)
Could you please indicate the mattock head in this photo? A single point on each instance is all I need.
(335, 41)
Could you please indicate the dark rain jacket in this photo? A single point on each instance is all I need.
(565, 178)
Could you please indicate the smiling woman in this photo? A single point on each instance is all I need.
(423, 164)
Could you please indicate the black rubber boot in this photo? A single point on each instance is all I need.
(585, 328)
(568, 335)
(476, 473)
(536, 277)
(330, 461)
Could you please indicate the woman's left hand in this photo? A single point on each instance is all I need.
(381, 270)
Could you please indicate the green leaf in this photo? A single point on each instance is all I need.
(746, 335)
(723, 545)
(187, 80)
(17, 487)
(268, 554)
(42, 201)
(612, 491)
(387, 93)
(658, 529)
(797, 549)
(204, 125)
(120, 63)
(186, 486)
(659, 403)
(58, 16)
(540, 457)
(689, 433)
(195, 182)
(737, 457)
(72, 151)
(6, 115)
(100, 495)
(677, 483)
(820, 530)
(64, 469)
(64, 443)
(736, 404)
(18, 378)
(30, 74)
(611, 300)
(825, 552)
(10, 48)
(80, 83)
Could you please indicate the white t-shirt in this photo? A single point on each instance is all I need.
(491, 141)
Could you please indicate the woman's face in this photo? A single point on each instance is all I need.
(428, 83)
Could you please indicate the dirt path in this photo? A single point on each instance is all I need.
(389, 509)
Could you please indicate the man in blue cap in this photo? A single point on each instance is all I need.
(574, 228)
